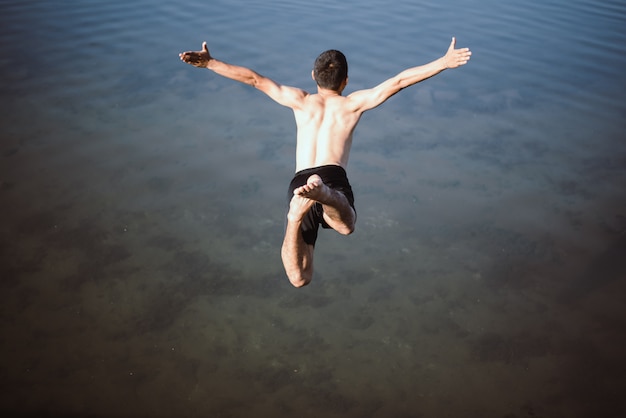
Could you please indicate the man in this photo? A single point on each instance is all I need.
(320, 192)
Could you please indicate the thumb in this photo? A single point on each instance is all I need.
(453, 43)
(204, 47)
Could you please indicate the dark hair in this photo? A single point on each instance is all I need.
(330, 69)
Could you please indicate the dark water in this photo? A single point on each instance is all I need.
(142, 213)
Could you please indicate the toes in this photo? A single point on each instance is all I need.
(298, 207)
(314, 180)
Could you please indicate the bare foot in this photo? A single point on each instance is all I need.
(305, 196)
(298, 207)
(314, 189)
(337, 211)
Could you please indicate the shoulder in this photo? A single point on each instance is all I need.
(367, 99)
(288, 96)
(357, 100)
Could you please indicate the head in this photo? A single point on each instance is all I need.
(331, 70)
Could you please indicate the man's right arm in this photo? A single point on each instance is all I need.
(287, 96)
(364, 100)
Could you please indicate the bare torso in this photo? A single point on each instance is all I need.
(325, 124)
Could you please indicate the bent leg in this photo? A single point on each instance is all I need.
(296, 254)
(337, 210)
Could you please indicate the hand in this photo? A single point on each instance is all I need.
(198, 59)
(456, 57)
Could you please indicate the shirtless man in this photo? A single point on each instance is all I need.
(320, 192)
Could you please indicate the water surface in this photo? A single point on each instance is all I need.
(142, 204)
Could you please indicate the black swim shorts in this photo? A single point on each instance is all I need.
(333, 176)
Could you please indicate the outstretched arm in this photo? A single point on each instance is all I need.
(287, 96)
(368, 99)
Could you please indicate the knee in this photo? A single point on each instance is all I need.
(346, 229)
(349, 225)
(299, 280)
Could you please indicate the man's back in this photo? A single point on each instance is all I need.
(325, 123)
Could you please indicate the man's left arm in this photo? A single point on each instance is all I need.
(364, 100)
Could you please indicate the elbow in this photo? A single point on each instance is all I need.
(256, 81)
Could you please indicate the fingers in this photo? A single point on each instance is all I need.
(457, 57)
(191, 57)
(464, 56)
(196, 58)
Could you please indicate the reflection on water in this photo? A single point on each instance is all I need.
(142, 205)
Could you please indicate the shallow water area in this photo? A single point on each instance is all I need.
(143, 213)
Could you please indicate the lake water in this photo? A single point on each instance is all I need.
(142, 206)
